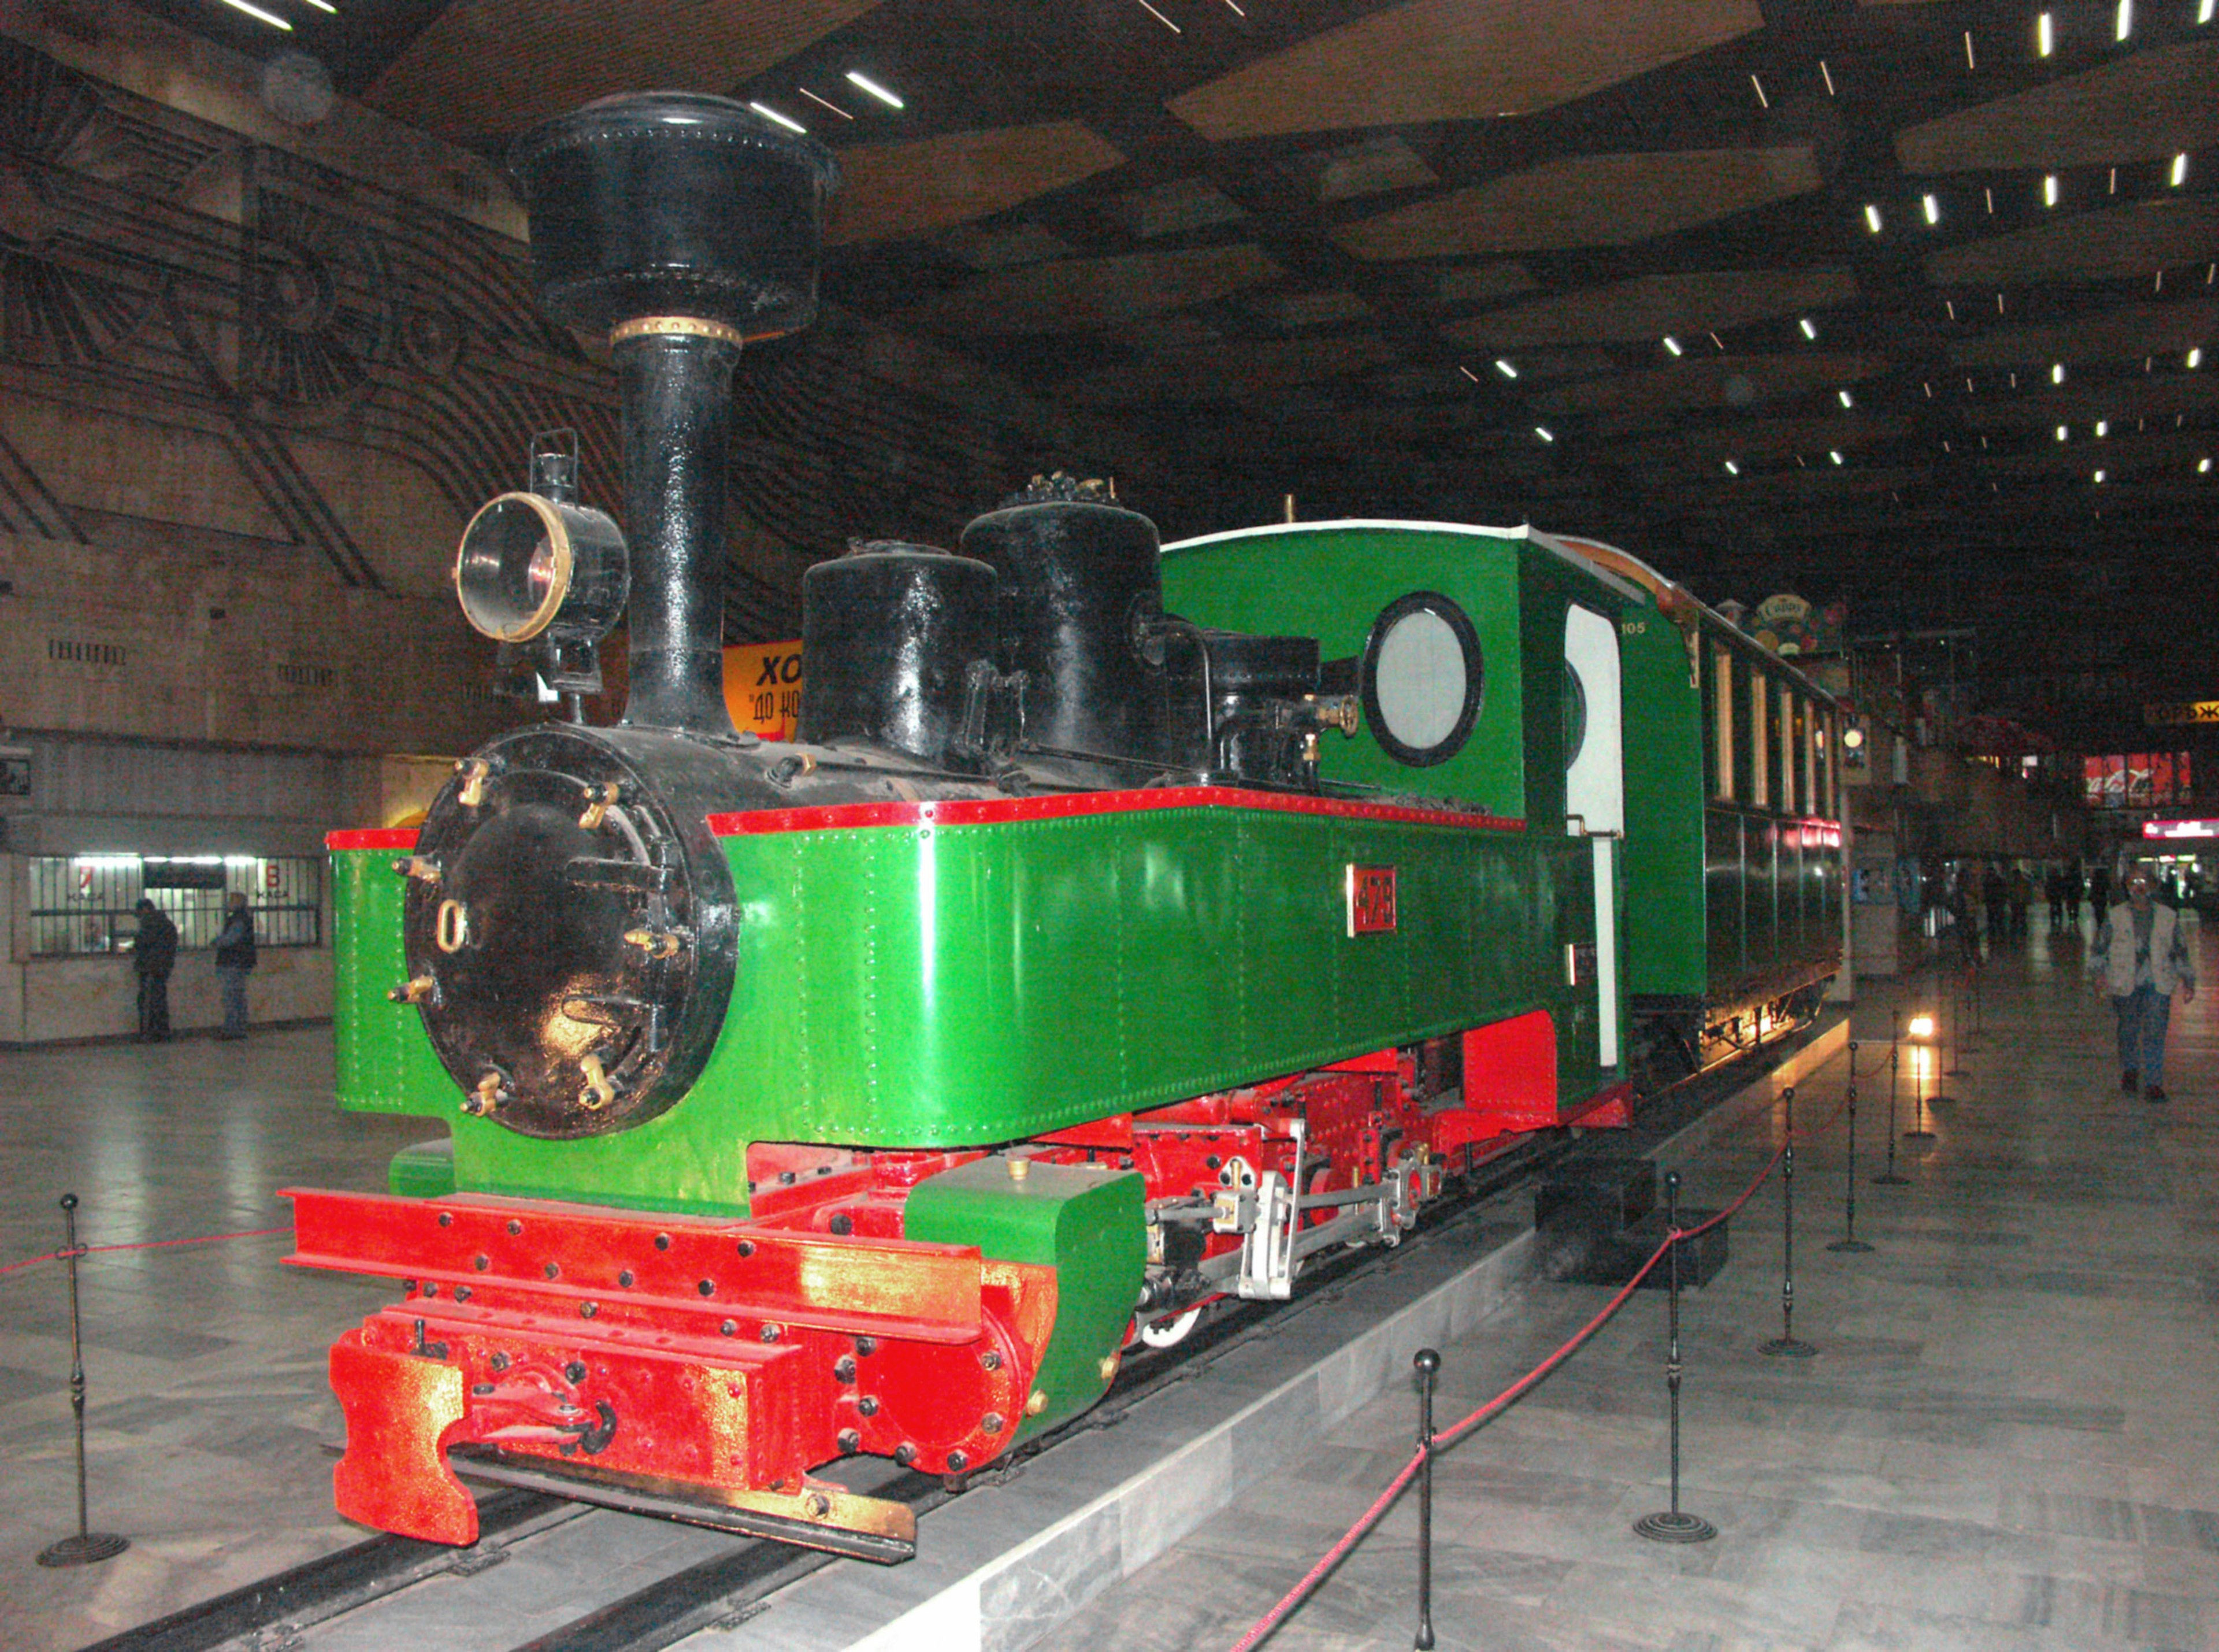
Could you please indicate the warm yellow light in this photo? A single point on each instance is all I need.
(1922, 1026)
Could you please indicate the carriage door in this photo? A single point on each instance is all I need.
(1594, 790)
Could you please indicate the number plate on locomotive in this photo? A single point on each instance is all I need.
(1370, 900)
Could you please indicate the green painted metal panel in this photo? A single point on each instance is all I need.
(424, 1171)
(1664, 865)
(1085, 1221)
(385, 1060)
(1331, 582)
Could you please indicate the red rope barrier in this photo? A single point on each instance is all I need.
(141, 1244)
(1444, 1438)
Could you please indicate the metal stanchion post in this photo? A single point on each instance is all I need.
(87, 1546)
(1672, 1525)
(1787, 1343)
(1849, 1242)
(1428, 1363)
(1889, 1178)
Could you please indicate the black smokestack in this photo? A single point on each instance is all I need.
(685, 226)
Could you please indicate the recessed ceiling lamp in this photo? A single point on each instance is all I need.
(2045, 40)
(1673, 345)
(770, 114)
(2125, 26)
(1932, 208)
(1845, 395)
(1872, 218)
(2178, 176)
(260, 15)
(1542, 431)
(1809, 331)
(1733, 469)
(2049, 188)
(856, 79)
(1835, 453)
(1505, 367)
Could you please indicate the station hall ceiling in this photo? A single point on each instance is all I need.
(1907, 302)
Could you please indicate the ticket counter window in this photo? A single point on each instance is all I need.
(83, 904)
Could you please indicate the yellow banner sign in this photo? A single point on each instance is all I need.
(2164, 717)
(762, 688)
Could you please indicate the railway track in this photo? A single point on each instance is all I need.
(284, 1612)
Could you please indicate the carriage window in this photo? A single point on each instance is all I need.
(1576, 715)
(1421, 678)
(1722, 723)
(1792, 799)
(1760, 748)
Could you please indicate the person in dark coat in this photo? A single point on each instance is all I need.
(234, 956)
(1995, 895)
(154, 954)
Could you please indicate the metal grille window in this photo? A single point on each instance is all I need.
(83, 904)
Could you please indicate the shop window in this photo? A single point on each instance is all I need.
(86, 904)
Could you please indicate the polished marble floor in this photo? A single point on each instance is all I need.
(2007, 1439)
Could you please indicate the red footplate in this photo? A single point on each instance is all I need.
(711, 1358)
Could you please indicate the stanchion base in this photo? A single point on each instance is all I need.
(1950, 1073)
(1891, 1180)
(88, 1549)
(1674, 1528)
(1853, 1247)
(1919, 1135)
(1788, 1348)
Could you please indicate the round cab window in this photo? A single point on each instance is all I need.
(1421, 678)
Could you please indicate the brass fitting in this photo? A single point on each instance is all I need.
(598, 801)
(598, 1092)
(476, 771)
(415, 991)
(655, 943)
(423, 869)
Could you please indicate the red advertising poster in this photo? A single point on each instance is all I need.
(2181, 783)
(2138, 780)
(2161, 777)
(2091, 771)
(2115, 782)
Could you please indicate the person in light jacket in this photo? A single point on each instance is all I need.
(2141, 958)
(234, 956)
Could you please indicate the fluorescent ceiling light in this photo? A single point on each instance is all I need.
(866, 84)
(2179, 173)
(1970, 62)
(2057, 372)
(1733, 469)
(1809, 331)
(2102, 427)
(1933, 208)
(1845, 395)
(1827, 75)
(1673, 345)
(770, 114)
(2100, 475)
(1505, 367)
(2045, 40)
(1764, 103)
(2196, 356)
(2061, 432)
(2049, 188)
(1542, 431)
(1835, 453)
(2125, 25)
(1872, 218)
(256, 12)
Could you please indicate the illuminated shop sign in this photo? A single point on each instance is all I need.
(2172, 830)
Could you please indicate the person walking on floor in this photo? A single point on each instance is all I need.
(154, 954)
(234, 956)
(2141, 958)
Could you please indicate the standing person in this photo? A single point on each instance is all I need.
(2099, 890)
(2143, 959)
(154, 954)
(234, 956)
(2022, 896)
(1995, 895)
(2073, 886)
